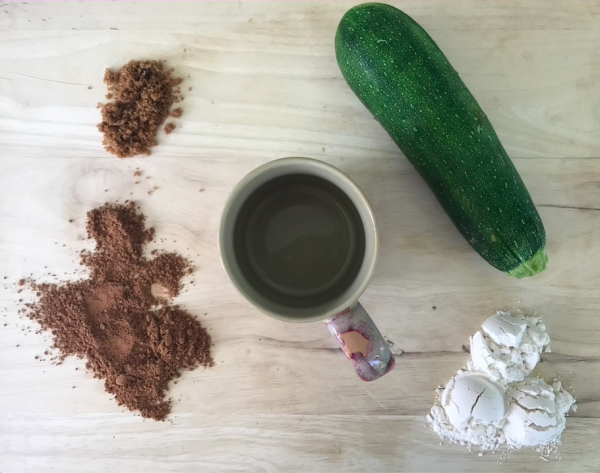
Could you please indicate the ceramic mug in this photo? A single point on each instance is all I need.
(345, 317)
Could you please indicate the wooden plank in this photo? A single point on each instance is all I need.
(344, 444)
(265, 81)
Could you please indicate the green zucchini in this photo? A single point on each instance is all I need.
(406, 82)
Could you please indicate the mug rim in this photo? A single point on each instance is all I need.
(371, 265)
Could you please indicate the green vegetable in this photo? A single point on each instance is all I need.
(406, 82)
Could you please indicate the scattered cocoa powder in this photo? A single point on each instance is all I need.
(120, 319)
(169, 127)
(143, 92)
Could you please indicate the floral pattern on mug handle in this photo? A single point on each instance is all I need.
(362, 342)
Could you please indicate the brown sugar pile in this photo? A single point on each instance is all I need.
(142, 93)
(120, 319)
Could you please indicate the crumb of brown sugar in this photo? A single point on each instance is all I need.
(201, 190)
(176, 113)
(137, 173)
(169, 127)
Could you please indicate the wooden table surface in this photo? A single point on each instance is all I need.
(265, 84)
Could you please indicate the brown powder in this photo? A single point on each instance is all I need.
(120, 319)
(169, 127)
(143, 92)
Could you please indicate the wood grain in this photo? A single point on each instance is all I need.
(265, 85)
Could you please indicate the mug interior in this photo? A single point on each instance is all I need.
(256, 179)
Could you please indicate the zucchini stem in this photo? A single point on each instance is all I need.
(534, 265)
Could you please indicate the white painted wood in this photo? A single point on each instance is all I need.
(265, 85)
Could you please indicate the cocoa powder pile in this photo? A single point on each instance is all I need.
(120, 319)
(142, 93)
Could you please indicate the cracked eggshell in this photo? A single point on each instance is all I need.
(505, 329)
(473, 397)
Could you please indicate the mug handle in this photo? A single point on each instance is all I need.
(362, 342)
